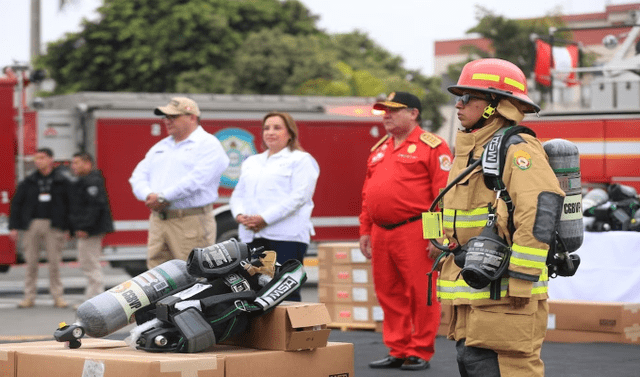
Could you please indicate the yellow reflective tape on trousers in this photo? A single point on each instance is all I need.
(528, 256)
(475, 218)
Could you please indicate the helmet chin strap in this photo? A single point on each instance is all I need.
(487, 113)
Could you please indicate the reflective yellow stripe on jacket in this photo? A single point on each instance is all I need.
(528, 257)
(476, 218)
(452, 290)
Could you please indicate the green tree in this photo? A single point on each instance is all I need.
(144, 45)
(273, 62)
(222, 46)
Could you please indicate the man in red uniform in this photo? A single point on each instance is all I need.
(405, 172)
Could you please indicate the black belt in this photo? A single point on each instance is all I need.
(407, 221)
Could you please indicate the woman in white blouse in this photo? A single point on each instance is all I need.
(272, 201)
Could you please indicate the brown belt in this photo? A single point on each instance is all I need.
(177, 213)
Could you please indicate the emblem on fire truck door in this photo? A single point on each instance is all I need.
(239, 144)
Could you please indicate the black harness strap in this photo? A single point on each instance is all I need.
(493, 163)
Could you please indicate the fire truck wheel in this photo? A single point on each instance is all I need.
(4, 268)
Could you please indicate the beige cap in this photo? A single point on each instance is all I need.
(178, 106)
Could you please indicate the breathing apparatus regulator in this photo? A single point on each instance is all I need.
(485, 258)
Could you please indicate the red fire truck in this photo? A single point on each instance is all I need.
(119, 128)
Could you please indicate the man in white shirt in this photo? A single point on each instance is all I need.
(178, 180)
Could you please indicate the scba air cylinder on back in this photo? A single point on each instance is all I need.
(115, 308)
(564, 159)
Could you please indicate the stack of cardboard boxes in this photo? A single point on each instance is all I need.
(289, 341)
(572, 321)
(345, 286)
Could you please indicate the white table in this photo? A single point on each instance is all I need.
(609, 270)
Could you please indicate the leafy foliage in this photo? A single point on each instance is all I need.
(222, 46)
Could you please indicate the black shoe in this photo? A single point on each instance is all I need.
(414, 363)
(387, 362)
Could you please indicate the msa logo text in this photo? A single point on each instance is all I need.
(287, 285)
(492, 149)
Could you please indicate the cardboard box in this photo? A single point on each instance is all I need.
(345, 274)
(347, 294)
(575, 336)
(109, 358)
(589, 321)
(594, 316)
(363, 314)
(289, 326)
(340, 253)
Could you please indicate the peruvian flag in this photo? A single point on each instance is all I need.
(563, 58)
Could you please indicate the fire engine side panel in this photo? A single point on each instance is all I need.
(588, 135)
(120, 144)
(7, 169)
(622, 148)
(341, 150)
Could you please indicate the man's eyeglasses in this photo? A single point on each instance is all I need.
(465, 98)
(172, 117)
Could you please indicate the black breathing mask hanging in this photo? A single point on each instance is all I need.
(485, 258)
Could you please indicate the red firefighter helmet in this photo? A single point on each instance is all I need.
(495, 76)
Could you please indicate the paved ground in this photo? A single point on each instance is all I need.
(561, 359)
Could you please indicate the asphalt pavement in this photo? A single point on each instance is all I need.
(39, 323)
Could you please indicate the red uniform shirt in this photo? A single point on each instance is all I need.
(402, 182)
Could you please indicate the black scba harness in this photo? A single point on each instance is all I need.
(493, 162)
(485, 258)
(218, 306)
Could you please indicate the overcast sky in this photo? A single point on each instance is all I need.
(407, 28)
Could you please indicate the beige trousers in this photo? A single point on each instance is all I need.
(175, 238)
(40, 231)
(89, 252)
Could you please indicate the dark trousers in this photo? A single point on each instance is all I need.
(476, 362)
(285, 250)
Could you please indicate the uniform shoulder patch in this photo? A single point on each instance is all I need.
(430, 139)
(379, 143)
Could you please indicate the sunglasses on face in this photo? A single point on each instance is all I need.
(172, 117)
(465, 98)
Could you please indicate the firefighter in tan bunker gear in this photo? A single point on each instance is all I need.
(499, 336)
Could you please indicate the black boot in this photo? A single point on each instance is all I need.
(414, 363)
(387, 362)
